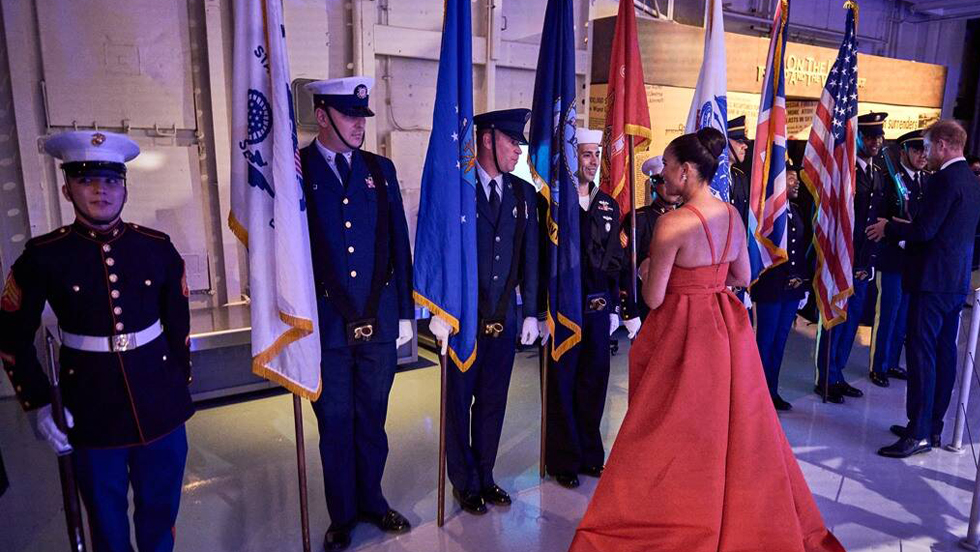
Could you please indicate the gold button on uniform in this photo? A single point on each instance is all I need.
(75, 288)
(347, 224)
(117, 311)
(119, 326)
(346, 201)
(110, 261)
(350, 249)
(148, 283)
(114, 294)
(113, 278)
(106, 248)
(353, 274)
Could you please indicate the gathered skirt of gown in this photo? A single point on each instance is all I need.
(701, 462)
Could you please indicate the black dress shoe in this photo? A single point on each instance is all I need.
(471, 502)
(847, 390)
(898, 373)
(337, 537)
(936, 440)
(567, 480)
(833, 395)
(780, 404)
(905, 447)
(592, 471)
(389, 522)
(496, 496)
(879, 379)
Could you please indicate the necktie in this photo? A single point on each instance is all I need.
(494, 200)
(915, 180)
(343, 168)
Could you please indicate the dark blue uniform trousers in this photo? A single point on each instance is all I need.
(774, 320)
(350, 414)
(841, 336)
(475, 404)
(888, 335)
(156, 472)
(931, 353)
(576, 399)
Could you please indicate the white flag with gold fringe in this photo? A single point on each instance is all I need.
(268, 209)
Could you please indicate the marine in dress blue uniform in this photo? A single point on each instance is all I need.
(869, 204)
(120, 296)
(939, 242)
(363, 275)
(578, 381)
(779, 291)
(891, 313)
(507, 257)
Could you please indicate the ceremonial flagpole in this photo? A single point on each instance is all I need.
(632, 180)
(543, 366)
(304, 502)
(441, 504)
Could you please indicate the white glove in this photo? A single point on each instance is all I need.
(405, 332)
(633, 326)
(543, 331)
(530, 330)
(614, 323)
(806, 297)
(441, 330)
(55, 438)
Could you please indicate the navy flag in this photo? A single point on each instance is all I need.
(554, 162)
(445, 239)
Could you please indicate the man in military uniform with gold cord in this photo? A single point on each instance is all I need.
(868, 206)
(121, 299)
(738, 145)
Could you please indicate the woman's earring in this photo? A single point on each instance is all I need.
(684, 177)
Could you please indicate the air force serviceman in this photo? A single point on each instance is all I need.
(363, 272)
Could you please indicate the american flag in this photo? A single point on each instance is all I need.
(828, 171)
(767, 199)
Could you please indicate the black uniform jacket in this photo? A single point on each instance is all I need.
(893, 256)
(869, 204)
(791, 279)
(103, 284)
(601, 250)
(646, 220)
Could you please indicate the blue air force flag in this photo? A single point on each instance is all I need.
(710, 105)
(445, 239)
(268, 211)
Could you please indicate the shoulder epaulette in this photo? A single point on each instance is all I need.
(148, 231)
(48, 238)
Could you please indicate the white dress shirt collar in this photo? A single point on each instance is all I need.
(951, 161)
(485, 181)
(330, 157)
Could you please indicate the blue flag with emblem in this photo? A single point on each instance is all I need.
(553, 158)
(445, 238)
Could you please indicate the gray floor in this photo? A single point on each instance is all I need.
(240, 491)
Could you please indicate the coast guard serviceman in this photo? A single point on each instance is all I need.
(363, 271)
(507, 252)
(121, 299)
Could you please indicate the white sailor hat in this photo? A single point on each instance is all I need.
(653, 166)
(92, 151)
(588, 136)
(348, 95)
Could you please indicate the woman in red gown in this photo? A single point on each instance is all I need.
(701, 463)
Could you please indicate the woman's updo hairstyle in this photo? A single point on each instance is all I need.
(702, 149)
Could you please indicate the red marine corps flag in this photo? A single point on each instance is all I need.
(627, 112)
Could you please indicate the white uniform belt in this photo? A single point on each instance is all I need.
(112, 344)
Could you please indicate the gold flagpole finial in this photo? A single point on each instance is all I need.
(852, 5)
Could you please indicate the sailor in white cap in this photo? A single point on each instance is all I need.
(120, 296)
(363, 272)
(577, 394)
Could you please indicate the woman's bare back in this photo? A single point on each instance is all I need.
(695, 249)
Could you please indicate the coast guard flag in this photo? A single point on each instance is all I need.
(627, 112)
(268, 211)
(553, 158)
(445, 239)
(768, 207)
(829, 174)
(710, 105)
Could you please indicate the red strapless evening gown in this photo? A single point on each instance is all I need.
(701, 463)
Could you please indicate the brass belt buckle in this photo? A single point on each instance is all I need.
(364, 332)
(121, 343)
(493, 329)
(597, 304)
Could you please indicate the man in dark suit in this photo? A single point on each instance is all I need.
(940, 246)
(903, 199)
(868, 206)
(507, 257)
(363, 274)
(578, 381)
(120, 296)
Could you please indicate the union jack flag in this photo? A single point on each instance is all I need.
(828, 171)
(767, 198)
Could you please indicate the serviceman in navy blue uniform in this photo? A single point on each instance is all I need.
(578, 381)
(121, 299)
(939, 241)
(507, 252)
(779, 292)
(869, 204)
(363, 272)
(632, 310)
(903, 202)
(738, 146)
